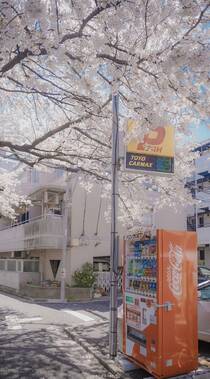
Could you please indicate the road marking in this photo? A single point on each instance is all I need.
(14, 322)
(29, 319)
(78, 315)
(14, 327)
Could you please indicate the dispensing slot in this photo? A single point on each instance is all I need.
(136, 336)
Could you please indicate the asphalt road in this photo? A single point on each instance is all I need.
(33, 344)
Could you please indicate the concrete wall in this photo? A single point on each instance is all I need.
(26, 277)
(45, 268)
(12, 239)
(35, 211)
(166, 218)
(10, 279)
(54, 293)
(203, 235)
(92, 211)
(207, 257)
(17, 280)
(97, 245)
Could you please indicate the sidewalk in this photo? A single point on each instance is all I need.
(96, 341)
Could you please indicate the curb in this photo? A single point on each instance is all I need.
(16, 295)
(114, 367)
(109, 364)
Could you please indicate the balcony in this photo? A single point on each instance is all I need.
(39, 233)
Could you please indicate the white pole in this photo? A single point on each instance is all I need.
(66, 206)
(114, 229)
(196, 210)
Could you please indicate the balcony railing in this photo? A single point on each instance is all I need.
(191, 226)
(39, 233)
(204, 225)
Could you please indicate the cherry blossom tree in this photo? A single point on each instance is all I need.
(60, 62)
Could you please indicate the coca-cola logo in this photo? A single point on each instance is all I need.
(174, 271)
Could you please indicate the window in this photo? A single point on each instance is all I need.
(2, 265)
(11, 265)
(191, 223)
(31, 266)
(17, 254)
(201, 222)
(202, 255)
(192, 192)
(19, 265)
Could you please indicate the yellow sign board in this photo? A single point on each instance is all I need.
(158, 142)
(155, 154)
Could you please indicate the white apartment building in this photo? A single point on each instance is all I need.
(33, 243)
(31, 247)
(199, 217)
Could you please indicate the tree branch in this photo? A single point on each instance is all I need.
(94, 13)
(192, 27)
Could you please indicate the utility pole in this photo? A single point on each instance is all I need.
(114, 229)
(66, 206)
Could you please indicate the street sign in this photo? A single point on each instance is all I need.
(155, 154)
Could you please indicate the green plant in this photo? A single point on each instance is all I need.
(84, 277)
(71, 298)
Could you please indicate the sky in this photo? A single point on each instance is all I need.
(202, 132)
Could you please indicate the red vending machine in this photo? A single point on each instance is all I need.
(160, 302)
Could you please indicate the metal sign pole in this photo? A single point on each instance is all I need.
(114, 230)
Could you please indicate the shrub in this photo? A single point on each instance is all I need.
(84, 277)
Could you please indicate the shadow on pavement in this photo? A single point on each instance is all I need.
(42, 354)
(97, 307)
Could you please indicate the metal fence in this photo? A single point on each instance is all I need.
(103, 281)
